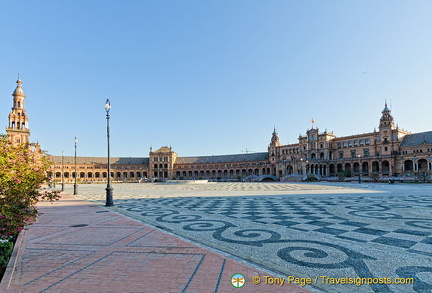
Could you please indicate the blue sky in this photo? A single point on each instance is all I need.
(213, 77)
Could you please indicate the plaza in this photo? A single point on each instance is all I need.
(303, 230)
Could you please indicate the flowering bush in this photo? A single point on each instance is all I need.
(23, 169)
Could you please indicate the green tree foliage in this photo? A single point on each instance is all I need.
(23, 169)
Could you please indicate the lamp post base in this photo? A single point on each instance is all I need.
(109, 196)
(62, 187)
(75, 189)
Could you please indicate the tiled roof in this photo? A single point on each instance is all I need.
(99, 160)
(417, 139)
(223, 158)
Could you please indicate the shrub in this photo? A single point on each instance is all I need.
(6, 248)
(23, 169)
(312, 177)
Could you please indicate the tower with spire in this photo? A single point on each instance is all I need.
(275, 138)
(18, 130)
(386, 120)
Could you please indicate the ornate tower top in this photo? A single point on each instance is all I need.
(275, 138)
(18, 131)
(386, 120)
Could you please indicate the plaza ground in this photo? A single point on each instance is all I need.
(310, 230)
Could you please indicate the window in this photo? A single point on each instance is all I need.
(353, 153)
(341, 154)
(366, 152)
(155, 159)
(355, 143)
(350, 144)
(339, 145)
(361, 143)
(386, 148)
(367, 142)
(344, 144)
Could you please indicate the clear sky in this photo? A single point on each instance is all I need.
(213, 77)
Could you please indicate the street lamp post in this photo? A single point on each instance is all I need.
(76, 174)
(62, 175)
(109, 189)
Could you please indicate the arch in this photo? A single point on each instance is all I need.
(66, 175)
(375, 167)
(339, 167)
(132, 174)
(104, 174)
(365, 169)
(178, 174)
(332, 170)
(267, 177)
(385, 167)
(422, 165)
(81, 175)
(321, 156)
(356, 168)
(97, 175)
(125, 175)
(89, 175)
(408, 165)
(348, 168)
(290, 170)
(118, 175)
(58, 175)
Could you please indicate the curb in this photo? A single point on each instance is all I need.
(13, 262)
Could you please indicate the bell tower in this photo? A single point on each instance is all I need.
(18, 131)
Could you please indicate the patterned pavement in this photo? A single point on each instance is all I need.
(79, 247)
(305, 230)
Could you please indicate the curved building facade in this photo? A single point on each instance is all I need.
(386, 152)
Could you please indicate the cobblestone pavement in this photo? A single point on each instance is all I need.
(77, 246)
(306, 230)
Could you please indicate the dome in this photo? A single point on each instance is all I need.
(18, 90)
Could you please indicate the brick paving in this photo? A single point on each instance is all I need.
(77, 246)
